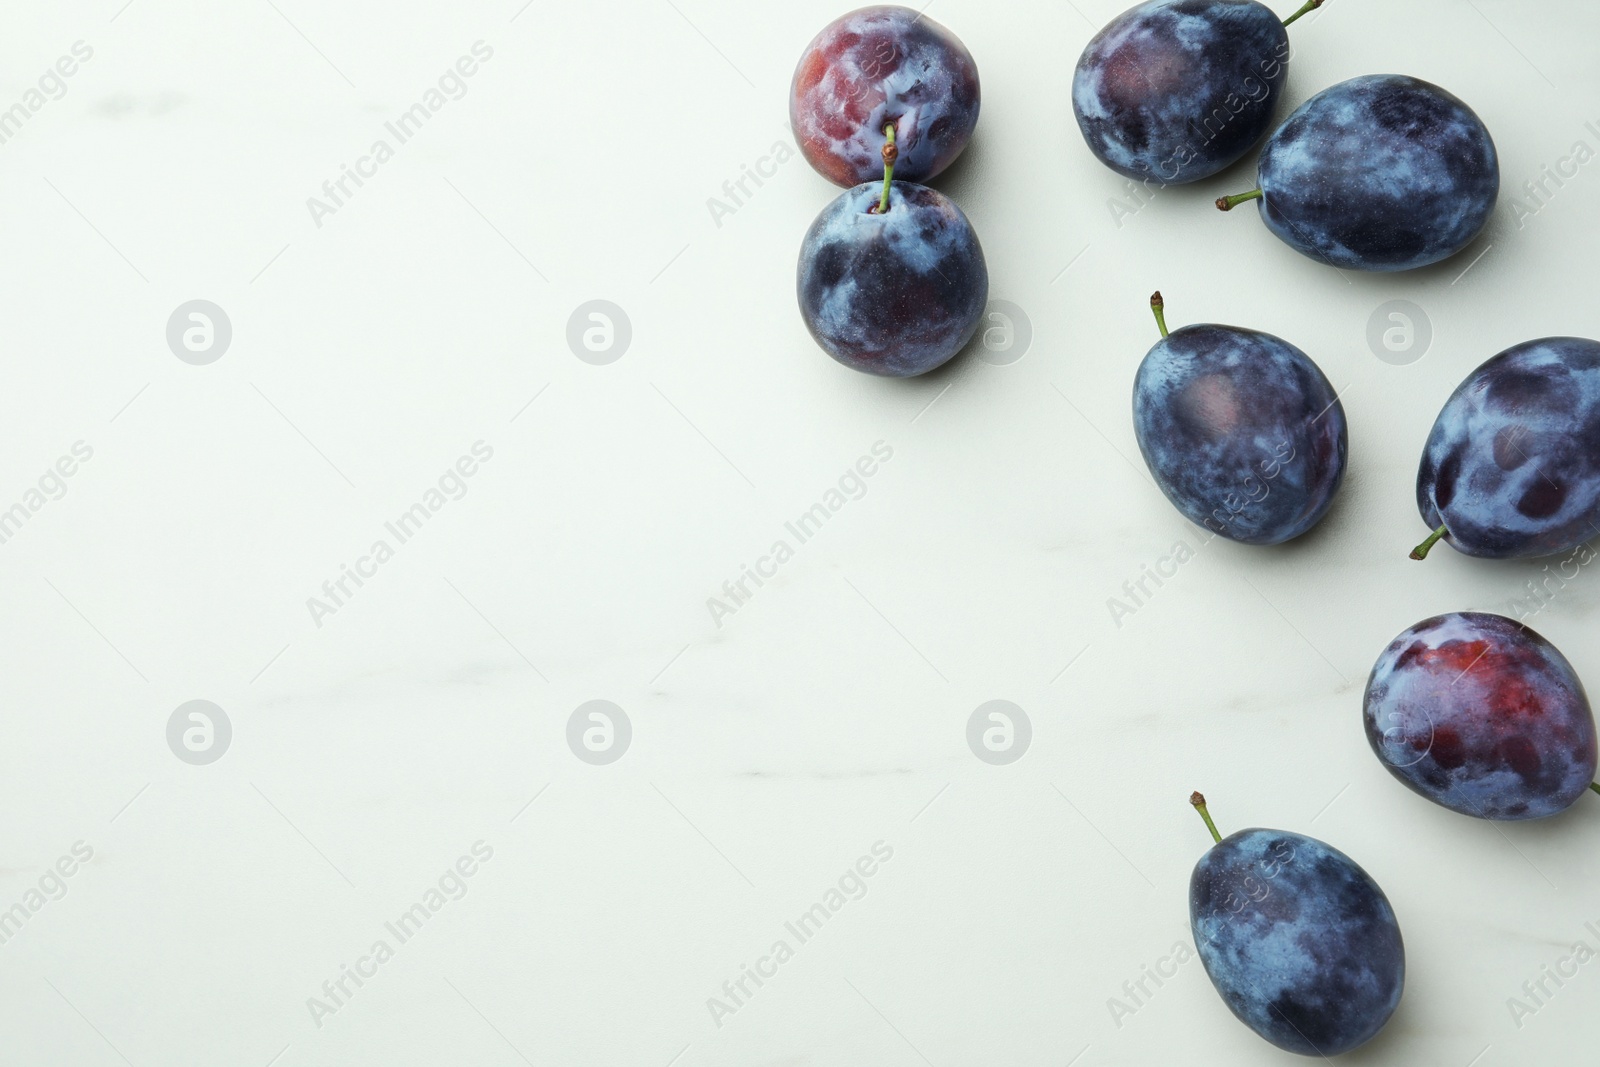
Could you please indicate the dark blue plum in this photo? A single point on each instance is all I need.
(1242, 432)
(1379, 173)
(897, 293)
(1482, 715)
(1300, 942)
(1177, 90)
(876, 67)
(1511, 469)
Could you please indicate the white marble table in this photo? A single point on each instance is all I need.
(396, 768)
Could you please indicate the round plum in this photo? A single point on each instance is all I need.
(1511, 469)
(1176, 90)
(1299, 941)
(896, 292)
(876, 67)
(1480, 714)
(1241, 431)
(1379, 173)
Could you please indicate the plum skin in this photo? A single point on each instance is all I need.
(1512, 465)
(1380, 173)
(898, 293)
(1299, 941)
(876, 66)
(1177, 90)
(1482, 716)
(1242, 432)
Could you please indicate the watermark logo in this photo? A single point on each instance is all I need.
(451, 485)
(1407, 736)
(599, 332)
(1538, 991)
(199, 332)
(450, 886)
(1552, 581)
(999, 732)
(850, 886)
(1399, 333)
(599, 732)
(51, 86)
(1006, 333)
(49, 886)
(1537, 192)
(199, 732)
(451, 85)
(1136, 592)
(851, 485)
(52, 485)
(738, 191)
(1138, 992)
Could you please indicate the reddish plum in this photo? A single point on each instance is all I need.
(876, 67)
(1480, 714)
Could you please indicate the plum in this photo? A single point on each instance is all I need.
(1379, 173)
(877, 67)
(1511, 469)
(1176, 90)
(1240, 429)
(897, 291)
(1299, 941)
(1483, 716)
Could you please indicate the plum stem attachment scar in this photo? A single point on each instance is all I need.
(1199, 803)
(890, 154)
(1422, 550)
(1159, 306)
(1311, 5)
(1228, 203)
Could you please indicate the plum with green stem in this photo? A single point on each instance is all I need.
(1240, 429)
(1298, 940)
(1378, 173)
(892, 279)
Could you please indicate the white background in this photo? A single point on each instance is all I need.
(829, 712)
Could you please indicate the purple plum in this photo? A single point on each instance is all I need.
(1480, 714)
(1511, 469)
(1241, 431)
(1173, 91)
(1379, 173)
(877, 67)
(896, 292)
(1298, 940)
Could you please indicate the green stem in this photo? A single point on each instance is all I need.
(1422, 550)
(1199, 803)
(1595, 786)
(1228, 203)
(890, 154)
(1311, 5)
(1159, 306)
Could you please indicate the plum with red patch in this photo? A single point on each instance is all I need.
(1483, 716)
(876, 67)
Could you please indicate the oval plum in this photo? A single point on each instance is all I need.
(1480, 714)
(1511, 469)
(1299, 941)
(1173, 91)
(1242, 431)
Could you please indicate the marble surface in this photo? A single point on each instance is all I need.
(400, 747)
